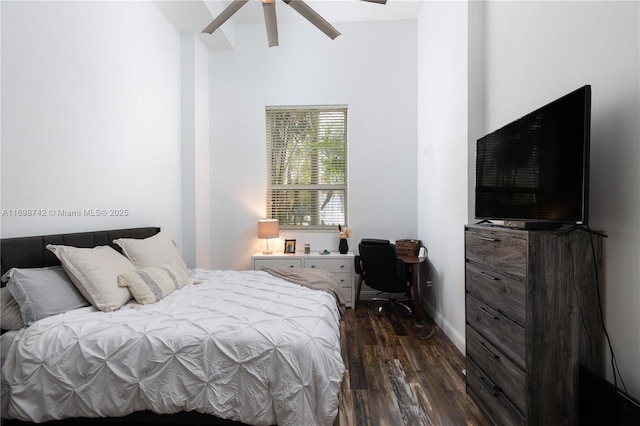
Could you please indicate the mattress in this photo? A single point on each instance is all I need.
(243, 345)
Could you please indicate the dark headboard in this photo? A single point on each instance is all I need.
(30, 252)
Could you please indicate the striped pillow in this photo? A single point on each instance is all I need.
(149, 285)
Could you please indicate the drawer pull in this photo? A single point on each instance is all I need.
(508, 401)
(494, 356)
(341, 266)
(313, 266)
(484, 274)
(489, 314)
(497, 392)
(490, 386)
(493, 240)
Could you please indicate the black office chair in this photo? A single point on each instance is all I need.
(378, 266)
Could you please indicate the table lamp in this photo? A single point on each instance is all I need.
(267, 229)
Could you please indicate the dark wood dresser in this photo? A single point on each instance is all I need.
(532, 318)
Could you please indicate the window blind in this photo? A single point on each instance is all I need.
(307, 166)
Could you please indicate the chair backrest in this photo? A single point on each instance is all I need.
(381, 268)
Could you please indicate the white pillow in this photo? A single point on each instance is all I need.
(10, 316)
(94, 271)
(148, 285)
(156, 250)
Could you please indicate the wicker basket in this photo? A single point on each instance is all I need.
(408, 247)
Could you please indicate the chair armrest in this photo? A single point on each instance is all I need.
(357, 264)
(400, 272)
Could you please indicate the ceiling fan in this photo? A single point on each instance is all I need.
(269, 8)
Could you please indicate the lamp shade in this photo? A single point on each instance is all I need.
(268, 228)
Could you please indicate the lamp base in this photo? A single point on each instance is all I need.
(267, 248)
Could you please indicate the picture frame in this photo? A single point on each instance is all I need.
(290, 246)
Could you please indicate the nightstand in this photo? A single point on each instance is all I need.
(339, 265)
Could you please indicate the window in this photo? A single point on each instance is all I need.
(307, 166)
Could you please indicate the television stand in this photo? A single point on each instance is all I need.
(530, 225)
(577, 227)
(519, 284)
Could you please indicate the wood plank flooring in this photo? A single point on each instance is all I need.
(394, 377)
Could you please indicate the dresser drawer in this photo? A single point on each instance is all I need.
(344, 278)
(503, 333)
(491, 398)
(331, 265)
(277, 263)
(503, 251)
(502, 372)
(347, 295)
(505, 294)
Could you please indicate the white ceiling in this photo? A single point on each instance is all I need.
(195, 15)
(192, 16)
(332, 11)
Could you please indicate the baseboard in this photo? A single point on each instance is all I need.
(445, 326)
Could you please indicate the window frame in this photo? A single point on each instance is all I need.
(271, 210)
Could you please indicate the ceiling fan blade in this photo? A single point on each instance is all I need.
(271, 22)
(377, 1)
(312, 16)
(224, 15)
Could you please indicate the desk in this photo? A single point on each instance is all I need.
(413, 262)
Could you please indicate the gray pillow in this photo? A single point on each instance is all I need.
(10, 316)
(43, 292)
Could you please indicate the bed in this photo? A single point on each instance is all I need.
(223, 347)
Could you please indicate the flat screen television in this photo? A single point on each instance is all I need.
(534, 171)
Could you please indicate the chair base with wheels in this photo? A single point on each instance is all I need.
(391, 302)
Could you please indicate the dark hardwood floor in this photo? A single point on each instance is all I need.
(396, 376)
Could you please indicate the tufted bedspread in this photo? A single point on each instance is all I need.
(245, 346)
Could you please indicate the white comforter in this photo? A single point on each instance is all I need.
(243, 345)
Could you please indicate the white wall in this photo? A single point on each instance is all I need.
(538, 51)
(196, 192)
(90, 115)
(516, 57)
(442, 158)
(371, 68)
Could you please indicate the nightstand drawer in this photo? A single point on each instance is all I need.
(331, 264)
(344, 278)
(502, 372)
(503, 333)
(504, 294)
(504, 251)
(346, 284)
(347, 295)
(277, 263)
